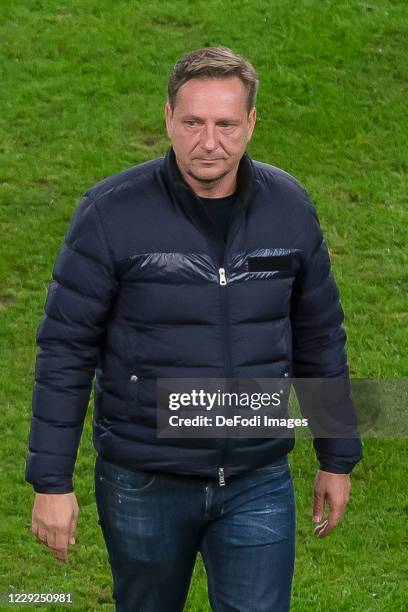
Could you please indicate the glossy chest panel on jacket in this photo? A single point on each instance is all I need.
(262, 263)
(177, 288)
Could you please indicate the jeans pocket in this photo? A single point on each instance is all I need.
(124, 479)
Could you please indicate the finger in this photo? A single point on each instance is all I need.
(61, 546)
(318, 505)
(334, 518)
(320, 528)
(51, 537)
(323, 530)
(51, 541)
(42, 535)
(60, 555)
(72, 529)
(331, 522)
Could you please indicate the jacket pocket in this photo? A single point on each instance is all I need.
(272, 263)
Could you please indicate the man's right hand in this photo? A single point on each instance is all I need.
(54, 521)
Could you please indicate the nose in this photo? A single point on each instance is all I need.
(209, 138)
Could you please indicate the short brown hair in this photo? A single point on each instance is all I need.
(213, 62)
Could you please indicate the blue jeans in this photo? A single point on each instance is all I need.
(154, 523)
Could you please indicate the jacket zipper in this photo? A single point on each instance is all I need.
(226, 351)
(224, 306)
(223, 282)
(221, 477)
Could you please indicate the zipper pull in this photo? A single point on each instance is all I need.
(221, 477)
(221, 272)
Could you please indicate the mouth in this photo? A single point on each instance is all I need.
(207, 160)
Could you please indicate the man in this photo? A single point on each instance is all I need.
(202, 264)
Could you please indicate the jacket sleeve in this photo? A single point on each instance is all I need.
(319, 341)
(69, 336)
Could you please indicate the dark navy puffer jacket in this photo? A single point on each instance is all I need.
(138, 293)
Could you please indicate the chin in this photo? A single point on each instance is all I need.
(208, 176)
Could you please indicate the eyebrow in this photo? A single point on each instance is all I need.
(221, 120)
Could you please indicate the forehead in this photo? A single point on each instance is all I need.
(209, 96)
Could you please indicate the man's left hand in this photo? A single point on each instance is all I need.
(335, 489)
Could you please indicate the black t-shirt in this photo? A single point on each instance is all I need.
(219, 209)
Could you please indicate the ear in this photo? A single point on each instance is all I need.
(251, 122)
(169, 120)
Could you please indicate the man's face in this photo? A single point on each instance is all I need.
(209, 127)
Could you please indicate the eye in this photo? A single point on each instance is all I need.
(227, 125)
(190, 122)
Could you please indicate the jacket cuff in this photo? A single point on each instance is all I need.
(56, 489)
(334, 469)
(338, 465)
(338, 456)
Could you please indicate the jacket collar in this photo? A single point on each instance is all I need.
(193, 207)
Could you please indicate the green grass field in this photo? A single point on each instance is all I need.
(83, 86)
